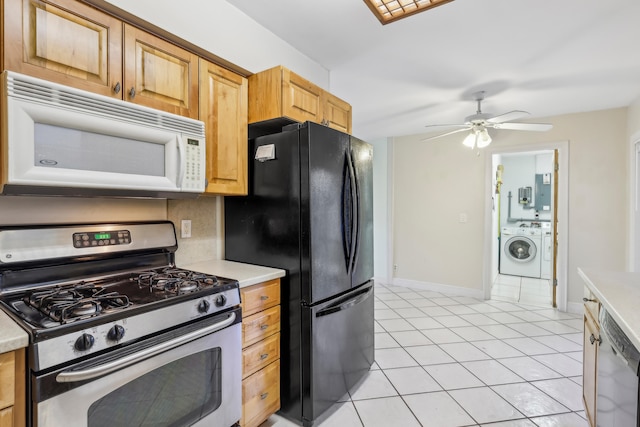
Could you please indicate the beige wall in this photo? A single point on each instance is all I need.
(434, 182)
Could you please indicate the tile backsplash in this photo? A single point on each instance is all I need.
(206, 241)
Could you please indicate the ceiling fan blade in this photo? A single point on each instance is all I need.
(506, 117)
(446, 133)
(457, 125)
(539, 127)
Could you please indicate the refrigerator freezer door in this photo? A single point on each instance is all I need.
(324, 162)
(341, 349)
(362, 155)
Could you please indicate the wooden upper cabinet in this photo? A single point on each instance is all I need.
(337, 113)
(159, 74)
(279, 92)
(67, 42)
(223, 109)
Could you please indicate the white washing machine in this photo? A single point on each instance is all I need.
(521, 251)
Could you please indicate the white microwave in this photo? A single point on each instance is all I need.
(58, 140)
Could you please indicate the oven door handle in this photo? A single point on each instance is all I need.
(100, 370)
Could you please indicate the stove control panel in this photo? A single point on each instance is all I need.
(101, 238)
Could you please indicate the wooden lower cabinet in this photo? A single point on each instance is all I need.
(12, 389)
(261, 352)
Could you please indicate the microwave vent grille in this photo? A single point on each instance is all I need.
(40, 91)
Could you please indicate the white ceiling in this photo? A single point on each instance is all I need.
(547, 57)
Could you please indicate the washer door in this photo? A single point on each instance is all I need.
(520, 249)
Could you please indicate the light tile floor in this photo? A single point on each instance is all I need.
(525, 290)
(447, 361)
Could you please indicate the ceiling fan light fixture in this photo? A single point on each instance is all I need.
(470, 140)
(484, 138)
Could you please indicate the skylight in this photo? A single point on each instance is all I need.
(391, 10)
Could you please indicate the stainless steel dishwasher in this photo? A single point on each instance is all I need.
(618, 359)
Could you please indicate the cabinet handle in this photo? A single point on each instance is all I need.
(589, 300)
(132, 93)
(264, 356)
(593, 339)
(263, 396)
(263, 327)
(264, 297)
(117, 87)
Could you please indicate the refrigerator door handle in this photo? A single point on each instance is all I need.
(346, 303)
(356, 216)
(346, 220)
(354, 212)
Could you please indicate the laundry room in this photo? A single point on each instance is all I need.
(524, 197)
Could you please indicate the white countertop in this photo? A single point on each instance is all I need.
(619, 293)
(245, 274)
(12, 336)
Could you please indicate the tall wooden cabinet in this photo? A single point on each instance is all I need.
(223, 108)
(69, 42)
(261, 352)
(279, 92)
(591, 343)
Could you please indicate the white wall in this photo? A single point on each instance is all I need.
(436, 181)
(380, 209)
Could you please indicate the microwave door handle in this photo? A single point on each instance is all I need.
(114, 365)
(182, 160)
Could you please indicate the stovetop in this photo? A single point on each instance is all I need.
(88, 301)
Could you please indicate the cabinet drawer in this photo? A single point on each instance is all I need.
(260, 354)
(7, 379)
(258, 297)
(261, 395)
(260, 325)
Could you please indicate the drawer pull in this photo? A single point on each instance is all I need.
(263, 327)
(264, 356)
(589, 300)
(264, 297)
(263, 396)
(593, 339)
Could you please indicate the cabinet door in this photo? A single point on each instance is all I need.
(337, 113)
(66, 42)
(589, 367)
(223, 108)
(159, 74)
(301, 99)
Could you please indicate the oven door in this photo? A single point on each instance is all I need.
(187, 377)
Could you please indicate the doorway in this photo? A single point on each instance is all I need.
(528, 199)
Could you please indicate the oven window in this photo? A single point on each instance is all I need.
(177, 394)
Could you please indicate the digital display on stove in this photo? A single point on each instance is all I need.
(101, 238)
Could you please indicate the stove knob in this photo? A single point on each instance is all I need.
(203, 306)
(221, 300)
(116, 333)
(84, 342)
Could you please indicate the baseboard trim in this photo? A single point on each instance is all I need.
(438, 287)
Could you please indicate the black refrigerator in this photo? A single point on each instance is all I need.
(310, 212)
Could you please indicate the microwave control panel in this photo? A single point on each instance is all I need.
(194, 175)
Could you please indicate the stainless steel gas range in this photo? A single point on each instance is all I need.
(120, 336)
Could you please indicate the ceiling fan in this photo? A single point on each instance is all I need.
(479, 123)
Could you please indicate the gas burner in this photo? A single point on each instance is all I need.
(75, 302)
(173, 280)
